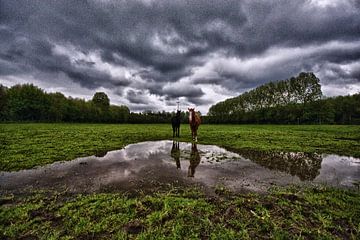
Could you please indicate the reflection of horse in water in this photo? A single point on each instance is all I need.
(175, 153)
(194, 121)
(194, 160)
(175, 121)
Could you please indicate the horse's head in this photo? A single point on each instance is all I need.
(191, 109)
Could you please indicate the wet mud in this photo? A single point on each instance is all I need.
(160, 165)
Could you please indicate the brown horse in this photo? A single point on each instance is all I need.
(194, 160)
(194, 121)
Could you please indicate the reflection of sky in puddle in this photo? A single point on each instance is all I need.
(343, 171)
(188, 163)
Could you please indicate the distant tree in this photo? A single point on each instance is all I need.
(250, 106)
(3, 102)
(119, 114)
(58, 107)
(101, 100)
(27, 103)
(306, 88)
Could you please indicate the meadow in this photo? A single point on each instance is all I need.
(175, 213)
(183, 214)
(24, 146)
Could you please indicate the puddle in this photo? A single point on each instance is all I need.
(151, 166)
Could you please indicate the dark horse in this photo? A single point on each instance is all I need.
(175, 121)
(194, 121)
(175, 153)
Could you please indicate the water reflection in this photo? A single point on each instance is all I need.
(304, 165)
(194, 160)
(150, 165)
(175, 153)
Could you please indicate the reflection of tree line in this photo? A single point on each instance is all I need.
(304, 165)
(194, 157)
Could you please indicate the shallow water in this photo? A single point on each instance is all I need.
(150, 166)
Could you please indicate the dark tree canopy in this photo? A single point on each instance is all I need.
(3, 101)
(26, 102)
(301, 89)
(101, 100)
(296, 100)
(30, 103)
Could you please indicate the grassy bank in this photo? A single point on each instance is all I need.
(27, 145)
(282, 214)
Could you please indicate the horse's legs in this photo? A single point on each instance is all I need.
(195, 134)
(178, 131)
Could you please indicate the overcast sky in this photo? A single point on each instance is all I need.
(147, 54)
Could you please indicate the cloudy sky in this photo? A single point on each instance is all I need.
(147, 54)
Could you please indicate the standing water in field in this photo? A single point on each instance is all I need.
(150, 166)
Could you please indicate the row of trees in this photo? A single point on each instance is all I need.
(337, 110)
(30, 103)
(302, 89)
(294, 101)
(156, 117)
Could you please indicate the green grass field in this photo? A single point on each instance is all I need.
(186, 214)
(27, 145)
(283, 213)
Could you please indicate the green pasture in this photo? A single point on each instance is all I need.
(183, 214)
(283, 213)
(24, 146)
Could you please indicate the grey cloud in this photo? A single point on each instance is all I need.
(34, 55)
(143, 107)
(337, 74)
(198, 101)
(183, 91)
(137, 97)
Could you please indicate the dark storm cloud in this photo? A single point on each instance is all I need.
(161, 42)
(296, 23)
(134, 30)
(28, 54)
(180, 90)
(137, 97)
(336, 74)
(198, 101)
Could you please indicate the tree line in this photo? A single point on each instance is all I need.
(30, 103)
(297, 100)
